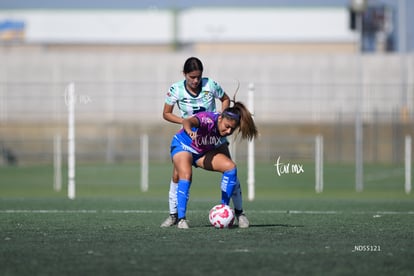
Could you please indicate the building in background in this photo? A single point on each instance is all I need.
(123, 55)
(12, 30)
(226, 26)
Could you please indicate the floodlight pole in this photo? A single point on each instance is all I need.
(359, 131)
(359, 6)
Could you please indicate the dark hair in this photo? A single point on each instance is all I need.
(192, 64)
(244, 119)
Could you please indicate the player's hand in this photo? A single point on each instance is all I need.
(192, 134)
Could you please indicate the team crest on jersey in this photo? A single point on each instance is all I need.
(207, 95)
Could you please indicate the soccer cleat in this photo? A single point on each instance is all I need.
(170, 221)
(243, 221)
(182, 224)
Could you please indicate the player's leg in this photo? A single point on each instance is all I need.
(172, 219)
(221, 163)
(183, 163)
(237, 193)
(238, 206)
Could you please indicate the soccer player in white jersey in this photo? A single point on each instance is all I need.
(192, 95)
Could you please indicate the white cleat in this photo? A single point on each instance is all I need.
(182, 224)
(243, 221)
(170, 221)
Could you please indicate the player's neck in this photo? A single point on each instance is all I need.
(192, 91)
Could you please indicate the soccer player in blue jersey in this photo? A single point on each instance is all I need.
(198, 141)
(192, 95)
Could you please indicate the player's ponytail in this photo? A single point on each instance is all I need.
(244, 118)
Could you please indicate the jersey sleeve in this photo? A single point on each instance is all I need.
(216, 89)
(171, 97)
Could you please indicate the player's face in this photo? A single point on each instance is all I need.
(193, 80)
(226, 126)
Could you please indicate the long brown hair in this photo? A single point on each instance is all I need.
(244, 118)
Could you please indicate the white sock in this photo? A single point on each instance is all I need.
(237, 197)
(172, 197)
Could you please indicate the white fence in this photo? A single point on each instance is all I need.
(131, 87)
(120, 96)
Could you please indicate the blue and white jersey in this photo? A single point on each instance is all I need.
(190, 104)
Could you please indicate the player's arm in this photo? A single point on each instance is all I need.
(225, 102)
(169, 116)
(188, 124)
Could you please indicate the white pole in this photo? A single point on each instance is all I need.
(144, 162)
(57, 162)
(359, 131)
(408, 164)
(319, 164)
(250, 149)
(71, 100)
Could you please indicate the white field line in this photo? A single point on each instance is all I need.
(47, 211)
(294, 212)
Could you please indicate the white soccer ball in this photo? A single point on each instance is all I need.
(221, 216)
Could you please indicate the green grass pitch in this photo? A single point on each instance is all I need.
(112, 228)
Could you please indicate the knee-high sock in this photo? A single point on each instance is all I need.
(183, 193)
(228, 183)
(237, 197)
(172, 197)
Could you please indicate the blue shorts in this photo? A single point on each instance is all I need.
(177, 146)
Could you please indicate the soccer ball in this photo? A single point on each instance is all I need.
(221, 216)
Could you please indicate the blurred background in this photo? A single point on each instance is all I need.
(340, 69)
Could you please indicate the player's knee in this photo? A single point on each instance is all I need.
(229, 165)
(232, 172)
(175, 177)
(184, 175)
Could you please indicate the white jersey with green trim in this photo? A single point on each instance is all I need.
(190, 104)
